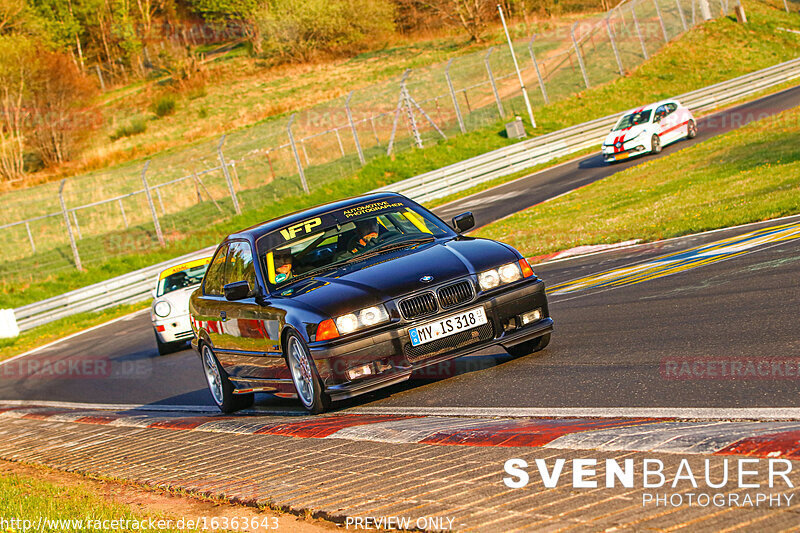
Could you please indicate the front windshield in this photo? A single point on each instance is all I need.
(320, 244)
(633, 119)
(182, 276)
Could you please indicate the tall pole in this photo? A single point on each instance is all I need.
(453, 97)
(661, 21)
(296, 155)
(156, 223)
(536, 68)
(227, 177)
(72, 244)
(638, 29)
(578, 53)
(353, 129)
(516, 66)
(614, 45)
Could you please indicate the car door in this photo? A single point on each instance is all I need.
(249, 349)
(661, 119)
(208, 307)
(672, 129)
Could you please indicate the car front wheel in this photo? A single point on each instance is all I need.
(305, 377)
(220, 386)
(655, 145)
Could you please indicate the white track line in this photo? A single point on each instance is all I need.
(712, 413)
(109, 406)
(72, 336)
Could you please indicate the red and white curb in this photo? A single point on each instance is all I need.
(645, 434)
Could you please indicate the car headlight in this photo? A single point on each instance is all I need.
(508, 273)
(344, 324)
(162, 309)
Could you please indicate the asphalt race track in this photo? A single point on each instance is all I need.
(509, 198)
(616, 344)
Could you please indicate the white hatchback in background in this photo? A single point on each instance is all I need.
(170, 310)
(648, 129)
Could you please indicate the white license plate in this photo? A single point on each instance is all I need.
(448, 325)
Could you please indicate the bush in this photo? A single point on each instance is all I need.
(297, 30)
(164, 105)
(136, 127)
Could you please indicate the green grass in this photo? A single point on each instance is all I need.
(714, 52)
(41, 335)
(26, 497)
(746, 175)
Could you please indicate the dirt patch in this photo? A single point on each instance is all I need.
(151, 501)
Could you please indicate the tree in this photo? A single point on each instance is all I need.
(16, 53)
(471, 15)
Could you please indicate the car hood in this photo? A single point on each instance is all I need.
(626, 134)
(387, 276)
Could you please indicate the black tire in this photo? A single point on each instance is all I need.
(655, 145)
(529, 347)
(220, 386)
(304, 373)
(691, 130)
(165, 348)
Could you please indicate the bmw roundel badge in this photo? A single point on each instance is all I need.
(426, 279)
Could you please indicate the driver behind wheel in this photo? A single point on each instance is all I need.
(366, 232)
(283, 265)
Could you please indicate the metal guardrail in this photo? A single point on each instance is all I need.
(136, 286)
(126, 289)
(526, 154)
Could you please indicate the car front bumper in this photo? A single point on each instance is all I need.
(623, 154)
(390, 353)
(175, 328)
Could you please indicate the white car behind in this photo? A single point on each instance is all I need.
(170, 310)
(648, 129)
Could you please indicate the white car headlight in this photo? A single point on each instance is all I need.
(162, 309)
(363, 318)
(489, 279)
(508, 273)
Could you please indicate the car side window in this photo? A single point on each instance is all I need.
(215, 276)
(661, 112)
(239, 266)
(671, 108)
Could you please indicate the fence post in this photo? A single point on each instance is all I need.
(638, 29)
(661, 21)
(614, 45)
(494, 85)
(339, 140)
(160, 200)
(198, 181)
(296, 155)
(152, 205)
(30, 236)
(412, 120)
(516, 67)
(786, 5)
(122, 210)
(397, 111)
(578, 53)
(353, 129)
(453, 96)
(374, 130)
(680, 13)
(536, 68)
(72, 244)
(77, 226)
(228, 176)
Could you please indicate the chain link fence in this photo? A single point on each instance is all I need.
(83, 221)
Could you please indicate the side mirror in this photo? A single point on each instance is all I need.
(464, 221)
(238, 290)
